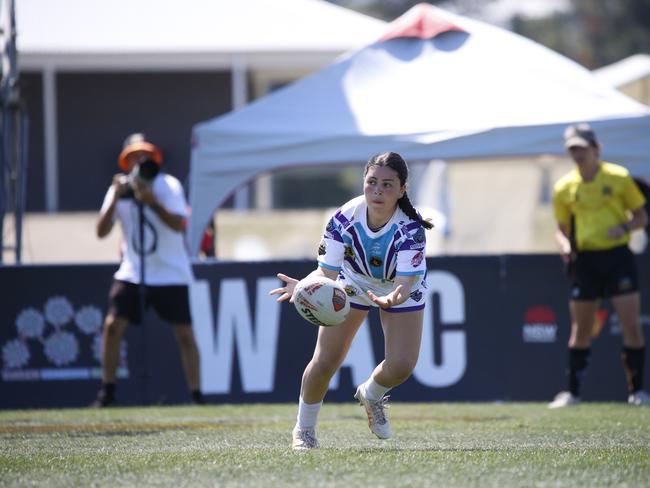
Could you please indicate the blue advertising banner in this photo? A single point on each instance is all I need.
(495, 328)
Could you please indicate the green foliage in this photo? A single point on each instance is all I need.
(595, 33)
(449, 445)
(592, 32)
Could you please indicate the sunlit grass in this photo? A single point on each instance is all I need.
(248, 445)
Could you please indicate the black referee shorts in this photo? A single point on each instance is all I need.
(601, 274)
(171, 302)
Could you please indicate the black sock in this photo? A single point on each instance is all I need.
(107, 391)
(197, 397)
(633, 362)
(578, 362)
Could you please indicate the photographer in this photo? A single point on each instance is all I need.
(155, 267)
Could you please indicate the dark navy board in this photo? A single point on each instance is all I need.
(513, 327)
(152, 356)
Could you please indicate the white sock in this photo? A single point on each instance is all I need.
(374, 391)
(308, 414)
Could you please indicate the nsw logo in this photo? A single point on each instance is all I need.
(540, 324)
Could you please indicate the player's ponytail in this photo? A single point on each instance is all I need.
(395, 162)
(407, 207)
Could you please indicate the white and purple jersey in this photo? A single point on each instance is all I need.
(369, 260)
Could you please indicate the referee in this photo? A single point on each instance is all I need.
(597, 205)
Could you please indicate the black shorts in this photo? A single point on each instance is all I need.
(601, 274)
(171, 302)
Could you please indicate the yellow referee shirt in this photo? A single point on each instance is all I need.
(597, 205)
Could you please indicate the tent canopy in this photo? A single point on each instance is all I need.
(436, 86)
(154, 27)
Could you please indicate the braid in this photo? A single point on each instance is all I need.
(408, 208)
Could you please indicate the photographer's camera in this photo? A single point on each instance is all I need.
(142, 174)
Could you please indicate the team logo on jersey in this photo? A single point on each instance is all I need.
(417, 259)
(625, 284)
(416, 295)
(322, 248)
(348, 252)
(351, 291)
(375, 251)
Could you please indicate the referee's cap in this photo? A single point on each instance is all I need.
(581, 135)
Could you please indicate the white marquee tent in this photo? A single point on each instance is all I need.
(436, 86)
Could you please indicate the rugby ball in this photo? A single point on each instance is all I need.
(321, 301)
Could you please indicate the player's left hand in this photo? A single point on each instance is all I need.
(390, 300)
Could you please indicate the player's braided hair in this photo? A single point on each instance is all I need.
(395, 162)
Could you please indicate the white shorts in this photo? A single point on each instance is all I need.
(356, 287)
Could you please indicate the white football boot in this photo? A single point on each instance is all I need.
(376, 411)
(304, 439)
(564, 399)
(639, 398)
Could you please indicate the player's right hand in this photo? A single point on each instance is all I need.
(285, 292)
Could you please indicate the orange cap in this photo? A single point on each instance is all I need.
(140, 145)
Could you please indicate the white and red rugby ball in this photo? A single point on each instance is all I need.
(321, 301)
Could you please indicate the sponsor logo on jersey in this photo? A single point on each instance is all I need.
(416, 295)
(322, 248)
(414, 246)
(417, 259)
(419, 235)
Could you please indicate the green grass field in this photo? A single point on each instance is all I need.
(446, 445)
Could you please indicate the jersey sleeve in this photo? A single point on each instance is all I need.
(410, 251)
(561, 208)
(171, 196)
(632, 195)
(331, 250)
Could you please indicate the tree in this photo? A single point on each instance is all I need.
(592, 32)
(595, 32)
